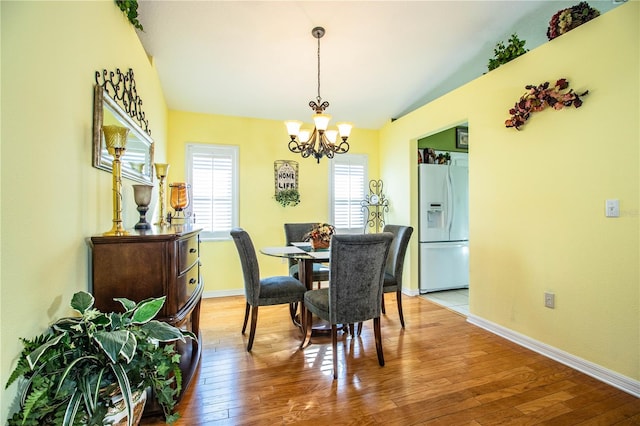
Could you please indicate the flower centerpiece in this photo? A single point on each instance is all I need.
(567, 19)
(320, 235)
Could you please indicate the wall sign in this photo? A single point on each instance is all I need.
(286, 182)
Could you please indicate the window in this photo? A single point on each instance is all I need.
(348, 177)
(212, 171)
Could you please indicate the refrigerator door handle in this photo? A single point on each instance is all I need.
(450, 207)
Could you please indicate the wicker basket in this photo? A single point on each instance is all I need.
(319, 244)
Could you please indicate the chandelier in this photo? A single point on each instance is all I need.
(321, 140)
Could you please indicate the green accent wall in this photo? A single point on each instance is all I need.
(442, 141)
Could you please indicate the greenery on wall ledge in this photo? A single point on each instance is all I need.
(504, 54)
(288, 197)
(130, 9)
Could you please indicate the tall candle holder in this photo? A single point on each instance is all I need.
(161, 173)
(115, 138)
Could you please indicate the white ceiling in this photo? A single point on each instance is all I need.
(379, 59)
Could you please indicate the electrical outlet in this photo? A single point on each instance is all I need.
(612, 208)
(549, 300)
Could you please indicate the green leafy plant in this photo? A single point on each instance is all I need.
(70, 373)
(504, 54)
(539, 97)
(288, 197)
(130, 9)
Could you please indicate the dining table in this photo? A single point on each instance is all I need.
(306, 257)
(304, 254)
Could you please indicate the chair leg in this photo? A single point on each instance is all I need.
(376, 330)
(359, 329)
(308, 324)
(399, 299)
(246, 317)
(302, 325)
(334, 345)
(252, 332)
(293, 307)
(382, 305)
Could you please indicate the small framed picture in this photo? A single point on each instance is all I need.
(462, 137)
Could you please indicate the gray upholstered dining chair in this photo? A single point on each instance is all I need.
(395, 264)
(355, 287)
(261, 292)
(294, 232)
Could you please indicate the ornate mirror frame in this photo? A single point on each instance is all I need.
(137, 163)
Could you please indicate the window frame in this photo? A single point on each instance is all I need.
(232, 151)
(350, 159)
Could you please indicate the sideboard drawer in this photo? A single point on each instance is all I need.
(186, 285)
(187, 253)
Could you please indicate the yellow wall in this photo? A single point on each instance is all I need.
(537, 196)
(261, 142)
(52, 197)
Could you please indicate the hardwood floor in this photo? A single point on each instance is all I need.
(440, 370)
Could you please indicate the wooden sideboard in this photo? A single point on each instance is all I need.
(153, 263)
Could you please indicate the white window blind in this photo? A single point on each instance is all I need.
(348, 177)
(212, 171)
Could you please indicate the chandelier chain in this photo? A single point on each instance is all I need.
(319, 98)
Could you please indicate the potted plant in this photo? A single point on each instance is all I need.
(288, 197)
(504, 54)
(71, 373)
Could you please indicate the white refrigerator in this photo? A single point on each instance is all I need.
(444, 225)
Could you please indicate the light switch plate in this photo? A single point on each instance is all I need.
(612, 208)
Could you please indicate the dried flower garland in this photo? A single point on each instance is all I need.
(539, 97)
(567, 19)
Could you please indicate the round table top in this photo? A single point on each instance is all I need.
(298, 251)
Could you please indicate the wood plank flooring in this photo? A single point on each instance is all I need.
(440, 370)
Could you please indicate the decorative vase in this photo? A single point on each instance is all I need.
(317, 243)
(179, 200)
(142, 196)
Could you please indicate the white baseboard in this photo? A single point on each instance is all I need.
(222, 293)
(605, 375)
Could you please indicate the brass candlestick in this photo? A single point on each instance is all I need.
(161, 173)
(115, 138)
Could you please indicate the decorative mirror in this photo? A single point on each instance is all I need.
(116, 102)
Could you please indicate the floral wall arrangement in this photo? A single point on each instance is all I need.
(539, 97)
(567, 19)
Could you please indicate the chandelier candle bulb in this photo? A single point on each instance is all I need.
(345, 129)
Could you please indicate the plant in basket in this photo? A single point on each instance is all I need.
(82, 368)
(320, 235)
